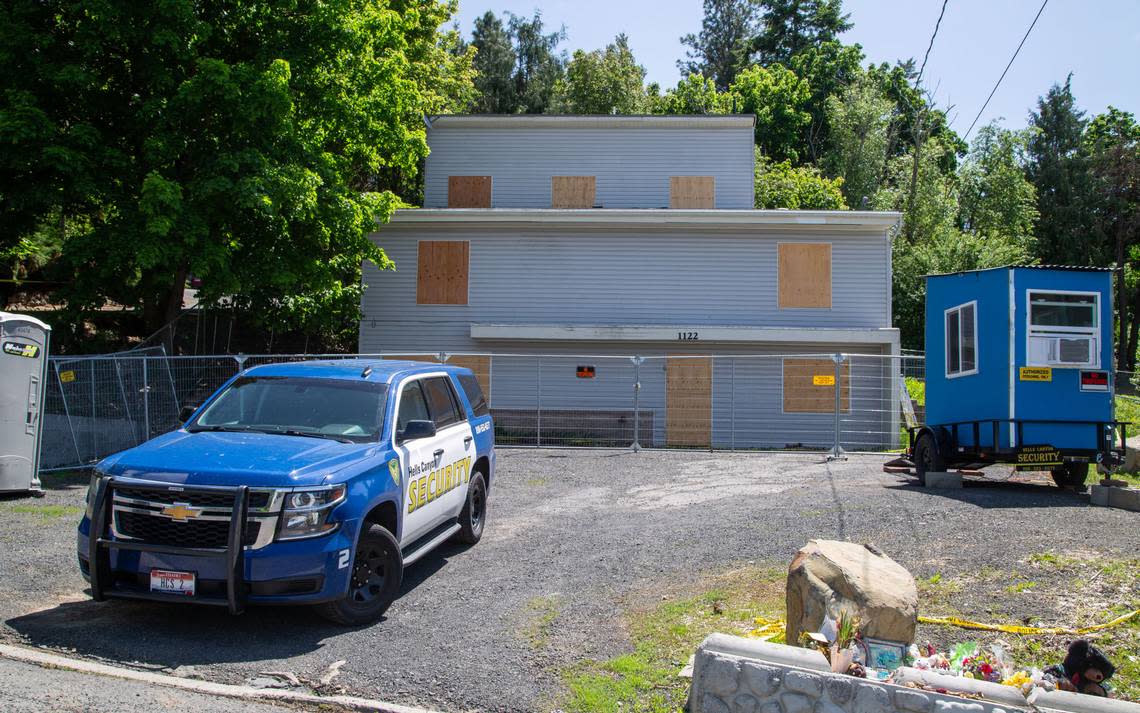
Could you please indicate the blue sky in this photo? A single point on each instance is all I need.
(1097, 40)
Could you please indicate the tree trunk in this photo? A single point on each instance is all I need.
(1133, 333)
(173, 304)
(1122, 360)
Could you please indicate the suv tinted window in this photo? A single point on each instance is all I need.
(413, 407)
(474, 394)
(442, 402)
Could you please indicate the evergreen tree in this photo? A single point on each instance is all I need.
(721, 49)
(789, 27)
(539, 66)
(1059, 169)
(495, 67)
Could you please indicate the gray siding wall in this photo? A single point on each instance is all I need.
(532, 275)
(632, 166)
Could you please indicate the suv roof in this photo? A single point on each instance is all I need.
(382, 370)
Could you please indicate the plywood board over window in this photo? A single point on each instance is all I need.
(809, 385)
(688, 401)
(692, 192)
(804, 275)
(481, 365)
(572, 191)
(468, 191)
(442, 272)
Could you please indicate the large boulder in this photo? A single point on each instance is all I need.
(827, 577)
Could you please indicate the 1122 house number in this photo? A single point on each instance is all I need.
(688, 336)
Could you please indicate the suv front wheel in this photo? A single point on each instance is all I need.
(374, 582)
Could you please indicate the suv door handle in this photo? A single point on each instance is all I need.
(438, 453)
(467, 441)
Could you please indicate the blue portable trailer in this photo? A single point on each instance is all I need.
(1019, 371)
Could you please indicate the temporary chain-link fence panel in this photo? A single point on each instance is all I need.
(96, 406)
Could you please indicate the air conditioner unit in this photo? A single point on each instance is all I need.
(1071, 350)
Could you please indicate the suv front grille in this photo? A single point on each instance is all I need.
(258, 499)
(158, 530)
(138, 514)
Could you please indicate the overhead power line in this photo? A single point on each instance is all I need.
(994, 90)
(937, 24)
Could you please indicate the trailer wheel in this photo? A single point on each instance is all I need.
(1071, 475)
(927, 459)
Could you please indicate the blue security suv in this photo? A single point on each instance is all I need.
(299, 483)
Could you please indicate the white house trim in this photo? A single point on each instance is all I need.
(666, 333)
(783, 220)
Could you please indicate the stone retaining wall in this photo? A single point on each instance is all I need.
(736, 675)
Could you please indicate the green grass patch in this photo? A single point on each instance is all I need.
(45, 512)
(1020, 587)
(664, 637)
(541, 615)
(536, 482)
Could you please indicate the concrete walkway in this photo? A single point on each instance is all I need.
(26, 687)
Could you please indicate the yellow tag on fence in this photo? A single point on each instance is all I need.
(823, 380)
(67, 377)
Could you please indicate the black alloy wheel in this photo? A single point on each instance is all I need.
(374, 580)
(473, 518)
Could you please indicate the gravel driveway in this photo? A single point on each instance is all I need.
(574, 537)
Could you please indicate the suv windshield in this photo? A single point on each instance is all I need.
(350, 411)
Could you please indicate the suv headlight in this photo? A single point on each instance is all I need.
(306, 512)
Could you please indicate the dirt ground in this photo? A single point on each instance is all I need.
(576, 540)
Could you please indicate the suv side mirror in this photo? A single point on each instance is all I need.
(186, 412)
(417, 429)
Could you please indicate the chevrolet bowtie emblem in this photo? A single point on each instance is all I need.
(181, 512)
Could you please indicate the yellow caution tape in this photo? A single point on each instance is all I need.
(767, 629)
(1012, 629)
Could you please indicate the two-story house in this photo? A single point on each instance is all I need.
(599, 235)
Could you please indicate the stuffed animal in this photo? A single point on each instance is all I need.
(1084, 670)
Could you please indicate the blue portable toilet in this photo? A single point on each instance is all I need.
(1019, 370)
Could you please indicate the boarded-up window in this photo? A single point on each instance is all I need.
(692, 192)
(468, 191)
(809, 386)
(441, 277)
(688, 401)
(479, 364)
(804, 275)
(572, 191)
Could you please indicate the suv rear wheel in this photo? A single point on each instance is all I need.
(474, 515)
(374, 582)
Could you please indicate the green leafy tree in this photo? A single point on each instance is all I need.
(859, 119)
(931, 240)
(695, 95)
(494, 66)
(914, 119)
(995, 198)
(788, 27)
(1059, 167)
(777, 97)
(827, 68)
(721, 49)
(233, 141)
(539, 66)
(608, 81)
(1112, 142)
(782, 185)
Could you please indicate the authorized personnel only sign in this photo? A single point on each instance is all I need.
(1036, 373)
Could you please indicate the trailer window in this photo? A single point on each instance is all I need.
(962, 340)
(1063, 329)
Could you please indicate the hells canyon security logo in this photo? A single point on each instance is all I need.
(436, 483)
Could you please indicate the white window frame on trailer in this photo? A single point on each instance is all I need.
(946, 335)
(1092, 333)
